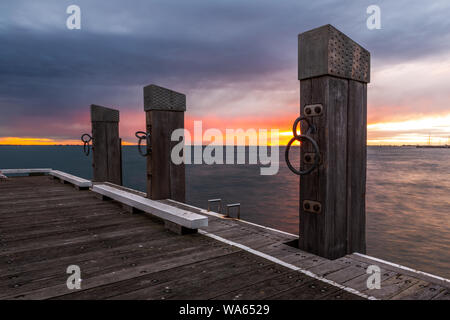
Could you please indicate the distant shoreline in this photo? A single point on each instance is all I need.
(135, 145)
(431, 146)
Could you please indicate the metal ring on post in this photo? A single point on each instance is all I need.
(141, 135)
(311, 127)
(86, 138)
(302, 138)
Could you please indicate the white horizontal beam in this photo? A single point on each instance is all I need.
(25, 171)
(181, 217)
(80, 182)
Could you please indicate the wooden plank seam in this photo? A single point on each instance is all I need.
(403, 267)
(287, 265)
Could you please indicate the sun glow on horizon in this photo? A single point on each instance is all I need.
(433, 130)
(27, 141)
(428, 130)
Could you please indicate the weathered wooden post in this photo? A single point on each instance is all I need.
(164, 111)
(106, 145)
(333, 71)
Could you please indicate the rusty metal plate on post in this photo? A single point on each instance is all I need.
(313, 110)
(312, 206)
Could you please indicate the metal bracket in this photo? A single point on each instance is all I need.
(313, 110)
(312, 206)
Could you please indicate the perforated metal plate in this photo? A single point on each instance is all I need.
(327, 51)
(159, 98)
(346, 58)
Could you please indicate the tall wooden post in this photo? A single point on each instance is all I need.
(164, 110)
(106, 145)
(333, 71)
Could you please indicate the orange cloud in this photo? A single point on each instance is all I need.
(35, 141)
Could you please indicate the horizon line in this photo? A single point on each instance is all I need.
(223, 145)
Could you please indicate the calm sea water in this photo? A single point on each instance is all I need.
(408, 195)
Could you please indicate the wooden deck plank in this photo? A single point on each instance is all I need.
(324, 269)
(25, 245)
(90, 260)
(185, 272)
(91, 269)
(59, 213)
(65, 214)
(44, 207)
(351, 272)
(341, 295)
(307, 263)
(83, 223)
(360, 282)
(285, 252)
(142, 242)
(313, 290)
(117, 252)
(47, 226)
(39, 254)
(268, 287)
(405, 271)
(155, 285)
(445, 295)
(420, 291)
(208, 289)
(292, 255)
(392, 286)
(23, 181)
(240, 230)
(67, 240)
(131, 271)
(30, 193)
(50, 202)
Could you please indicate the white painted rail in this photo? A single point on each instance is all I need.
(77, 181)
(181, 217)
(25, 171)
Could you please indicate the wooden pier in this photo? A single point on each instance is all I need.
(132, 245)
(47, 226)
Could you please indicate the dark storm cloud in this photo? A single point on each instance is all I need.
(182, 44)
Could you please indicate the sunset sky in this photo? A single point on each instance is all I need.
(236, 60)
